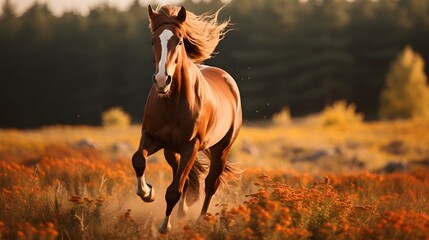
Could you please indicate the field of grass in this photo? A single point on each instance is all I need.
(300, 181)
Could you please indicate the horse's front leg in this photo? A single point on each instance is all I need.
(188, 155)
(147, 147)
(173, 160)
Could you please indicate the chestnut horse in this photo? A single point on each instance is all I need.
(190, 108)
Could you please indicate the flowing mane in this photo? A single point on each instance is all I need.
(202, 33)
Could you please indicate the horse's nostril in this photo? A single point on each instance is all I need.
(168, 81)
(153, 78)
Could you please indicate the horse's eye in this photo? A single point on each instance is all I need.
(151, 42)
(180, 42)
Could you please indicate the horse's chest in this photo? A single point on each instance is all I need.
(173, 137)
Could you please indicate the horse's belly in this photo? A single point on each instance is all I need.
(224, 96)
(218, 130)
(215, 137)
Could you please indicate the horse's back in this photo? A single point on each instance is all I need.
(221, 82)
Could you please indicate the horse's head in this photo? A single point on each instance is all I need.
(167, 43)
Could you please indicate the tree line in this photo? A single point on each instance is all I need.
(302, 54)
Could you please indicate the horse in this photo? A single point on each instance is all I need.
(190, 108)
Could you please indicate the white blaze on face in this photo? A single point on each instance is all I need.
(164, 37)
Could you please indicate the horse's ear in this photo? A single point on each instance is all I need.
(150, 12)
(181, 16)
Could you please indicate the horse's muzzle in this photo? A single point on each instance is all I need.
(162, 86)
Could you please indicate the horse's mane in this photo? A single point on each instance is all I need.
(202, 33)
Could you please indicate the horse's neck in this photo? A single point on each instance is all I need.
(189, 77)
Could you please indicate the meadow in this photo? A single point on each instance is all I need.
(300, 180)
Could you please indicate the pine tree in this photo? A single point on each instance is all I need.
(406, 94)
(8, 11)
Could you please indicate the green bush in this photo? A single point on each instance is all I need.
(340, 114)
(406, 94)
(115, 117)
(282, 117)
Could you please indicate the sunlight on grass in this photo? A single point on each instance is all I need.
(301, 180)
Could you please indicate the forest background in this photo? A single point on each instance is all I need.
(305, 55)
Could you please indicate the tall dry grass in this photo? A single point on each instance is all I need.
(53, 188)
(87, 199)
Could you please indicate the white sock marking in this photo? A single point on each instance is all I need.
(142, 187)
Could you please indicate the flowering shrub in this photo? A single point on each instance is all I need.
(115, 117)
(400, 224)
(42, 231)
(278, 211)
(340, 114)
(75, 193)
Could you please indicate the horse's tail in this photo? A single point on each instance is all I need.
(231, 174)
(195, 175)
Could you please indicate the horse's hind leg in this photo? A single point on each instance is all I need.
(218, 159)
(173, 160)
(188, 156)
(146, 148)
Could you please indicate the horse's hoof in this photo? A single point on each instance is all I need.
(165, 227)
(200, 219)
(150, 197)
(164, 230)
